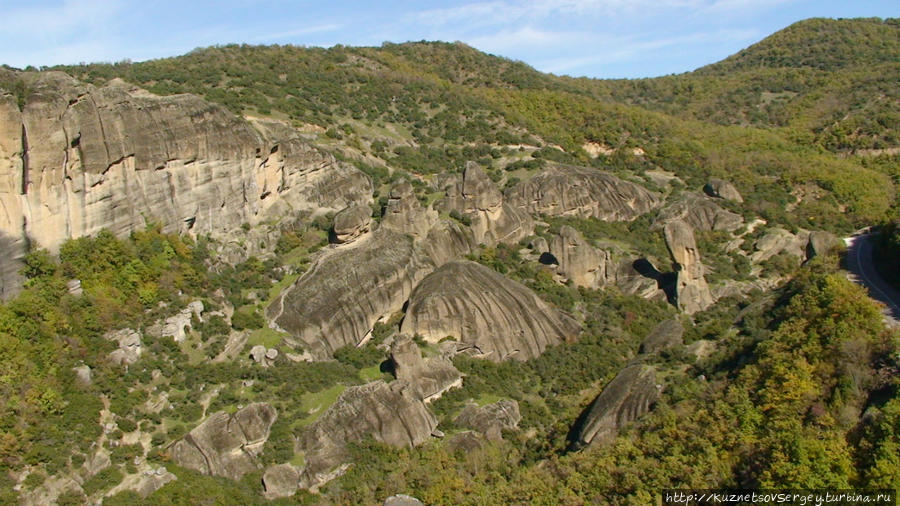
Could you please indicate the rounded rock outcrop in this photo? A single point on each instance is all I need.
(352, 222)
(498, 317)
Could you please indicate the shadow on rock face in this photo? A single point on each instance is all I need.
(664, 281)
(547, 258)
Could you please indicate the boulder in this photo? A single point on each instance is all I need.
(722, 189)
(626, 398)
(391, 413)
(539, 245)
(562, 190)
(74, 287)
(691, 291)
(667, 334)
(402, 500)
(822, 243)
(701, 213)
(176, 326)
(280, 481)
(226, 445)
(491, 419)
(145, 482)
(258, 353)
(83, 375)
(130, 346)
(496, 316)
(352, 222)
(432, 376)
(778, 240)
(578, 261)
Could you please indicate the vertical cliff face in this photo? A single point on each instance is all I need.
(77, 158)
(691, 291)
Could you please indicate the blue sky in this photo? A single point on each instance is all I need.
(598, 38)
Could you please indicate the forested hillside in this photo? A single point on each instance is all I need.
(449, 276)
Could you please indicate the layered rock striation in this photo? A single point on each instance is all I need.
(226, 445)
(563, 190)
(493, 219)
(628, 396)
(78, 158)
(392, 413)
(496, 316)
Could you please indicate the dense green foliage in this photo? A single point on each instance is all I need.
(794, 388)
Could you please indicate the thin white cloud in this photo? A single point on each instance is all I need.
(630, 48)
(297, 32)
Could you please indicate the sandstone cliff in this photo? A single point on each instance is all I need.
(701, 213)
(500, 318)
(78, 158)
(338, 301)
(578, 261)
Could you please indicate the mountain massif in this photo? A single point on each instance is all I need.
(258, 274)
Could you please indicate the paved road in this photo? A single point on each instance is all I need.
(862, 269)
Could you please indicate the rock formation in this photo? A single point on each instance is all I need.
(491, 419)
(351, 222)
(701, 213)
(393, 413)
(628, 396)
(405, 214)
(493, 220)
(342, 296)
(280, 481)
(778, 240)
(175, 325)
(722, 189)
(822, 243)
(496, 316)
(432, 376)
(579, 191)
(402, 500)
(226, 445)
(667, 334)
(578, 261)
(130, 346)
(691, 291)
(78, 158)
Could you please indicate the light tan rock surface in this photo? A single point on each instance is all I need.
(691, 291)
(578, 261)
(339, 300)
(493, 219)
(432, 376)
(722, 189)
(701, 213)
(78, 158)
(491, 419)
